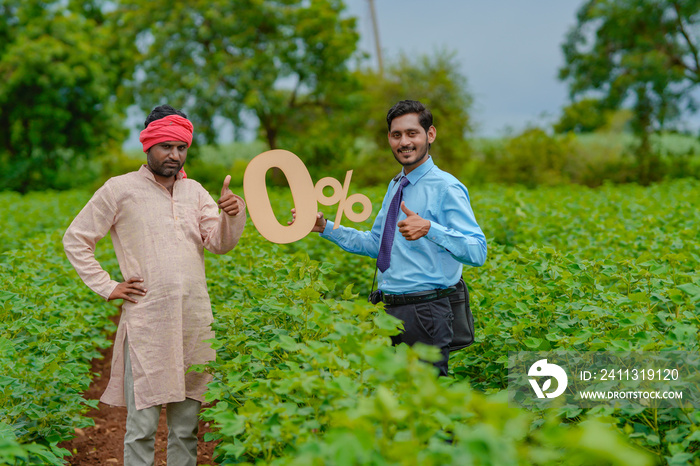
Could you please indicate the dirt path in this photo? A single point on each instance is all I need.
(103, 444)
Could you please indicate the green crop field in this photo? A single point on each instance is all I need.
(305, 373)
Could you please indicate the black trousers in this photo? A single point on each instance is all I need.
(429, 323)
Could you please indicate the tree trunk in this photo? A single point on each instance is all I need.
(648, 161)
(277, 177)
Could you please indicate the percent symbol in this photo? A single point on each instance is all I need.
(305, 194)
(345, 202)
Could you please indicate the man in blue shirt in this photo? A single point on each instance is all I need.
(435, 232)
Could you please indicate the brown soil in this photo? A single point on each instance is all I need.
(103, 443)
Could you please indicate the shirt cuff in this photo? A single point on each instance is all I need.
(108, 289)
(436, 231)
(328, 229)
(241, 210)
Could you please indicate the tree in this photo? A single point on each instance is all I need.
(355, 135)
(583, 116)
(223, 58)
(326, 138)
(642, 53)
(57, 85)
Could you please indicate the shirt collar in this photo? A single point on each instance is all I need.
(146, 173)
(420, 171)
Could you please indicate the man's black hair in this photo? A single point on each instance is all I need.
(162, 111)
(425, 117)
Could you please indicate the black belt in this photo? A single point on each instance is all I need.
(415, 298)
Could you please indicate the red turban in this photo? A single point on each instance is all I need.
(170, 128)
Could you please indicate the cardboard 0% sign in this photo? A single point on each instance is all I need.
(305, 195)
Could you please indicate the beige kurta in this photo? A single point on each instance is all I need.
(160, 238)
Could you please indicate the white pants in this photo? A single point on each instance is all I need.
(142, 424)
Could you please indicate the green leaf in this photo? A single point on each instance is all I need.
(533, 343)
(691, 289)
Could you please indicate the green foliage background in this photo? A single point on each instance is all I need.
(305, 373)
(71, 69)
(61, 71)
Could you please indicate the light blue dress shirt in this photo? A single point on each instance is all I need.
(435, 260)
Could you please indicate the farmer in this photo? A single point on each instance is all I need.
(422, 235)
(160, 222)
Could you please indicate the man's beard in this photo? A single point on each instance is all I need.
(407, 163)
(161, 169)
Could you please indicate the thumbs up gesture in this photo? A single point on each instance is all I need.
(229, 202)
(413, 226)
